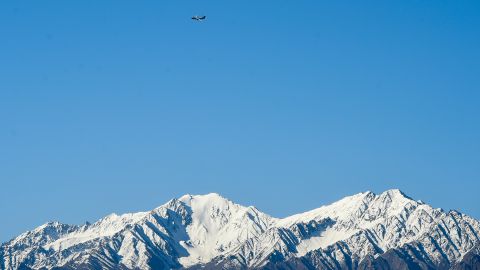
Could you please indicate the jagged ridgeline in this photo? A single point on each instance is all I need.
(364, 231)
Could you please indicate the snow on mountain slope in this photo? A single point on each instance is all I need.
(105, 227)
(213, 232)
(450, 242)
(217, 226)
(362, 225)
(353, 214)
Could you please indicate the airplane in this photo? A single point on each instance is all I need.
(199, 18)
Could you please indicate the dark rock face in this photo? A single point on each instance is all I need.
(471, 261)
(406, 258)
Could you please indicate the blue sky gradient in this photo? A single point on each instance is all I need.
(118, 106)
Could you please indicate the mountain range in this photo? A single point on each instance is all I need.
(364, 231)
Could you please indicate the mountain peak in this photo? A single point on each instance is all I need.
(395, 193)
(202, 197)
(202, 202)
(396, 198)
(196, 230)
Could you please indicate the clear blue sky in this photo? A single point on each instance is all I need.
(118, 106)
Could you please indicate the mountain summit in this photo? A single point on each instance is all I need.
(363, 231)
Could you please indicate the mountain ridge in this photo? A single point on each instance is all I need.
(362, 231)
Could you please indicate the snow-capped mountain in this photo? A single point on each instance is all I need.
(363, 231)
